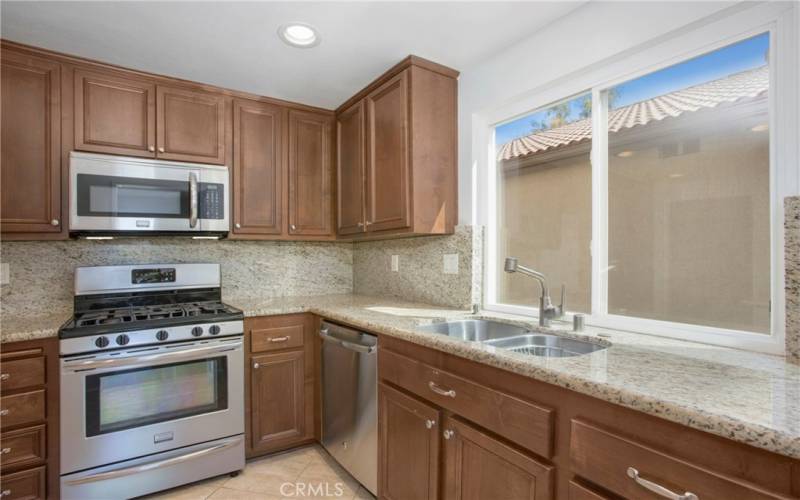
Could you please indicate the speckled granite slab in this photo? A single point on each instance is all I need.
(744, 396)
(792, 258)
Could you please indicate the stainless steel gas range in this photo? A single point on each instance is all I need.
(151, 381)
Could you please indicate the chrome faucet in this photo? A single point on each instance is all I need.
(547, 311)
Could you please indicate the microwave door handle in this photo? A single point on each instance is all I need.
(192, 200)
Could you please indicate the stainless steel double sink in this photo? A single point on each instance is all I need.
(512, 337)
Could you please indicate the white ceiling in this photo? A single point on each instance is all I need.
(235, 45)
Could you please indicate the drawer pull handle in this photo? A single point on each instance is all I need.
(279, 339)
(5, 493)
(5, 451)
(5, 376)
(430, 423)
(3, 413)
(657, 488)
(448, 433)
(442, 392)
(256, 366)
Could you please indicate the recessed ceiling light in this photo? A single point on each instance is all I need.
(300, 35)
(761, 127)
(625, 154)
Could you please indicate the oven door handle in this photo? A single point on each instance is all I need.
(135, 469)
(92, 364)
(192, 200)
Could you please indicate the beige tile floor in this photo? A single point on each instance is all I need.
(303, 473)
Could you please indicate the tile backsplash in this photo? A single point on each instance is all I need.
(420, 274)
(792, 249)
(41, 273)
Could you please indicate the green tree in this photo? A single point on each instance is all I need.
(586, 102)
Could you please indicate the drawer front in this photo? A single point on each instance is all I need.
(23, 447)
(20, 409)
(524, 423)
(26, 485)
(22, 373)
(609, 460)
(273, 339)
(578, 491)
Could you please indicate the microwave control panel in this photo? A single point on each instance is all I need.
(210, 201)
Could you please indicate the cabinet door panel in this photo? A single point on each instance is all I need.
(309, 174)
(408, 465)
(257, 167)
(350, 165)
(478, 466)
(277, 399)
(191, 125)
(31, 138)
(114, 115)
(388, 155)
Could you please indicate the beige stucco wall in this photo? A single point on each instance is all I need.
(688, 234)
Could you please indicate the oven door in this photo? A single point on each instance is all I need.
(126, 404)
(110, 193)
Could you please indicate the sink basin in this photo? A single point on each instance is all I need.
(475, 329)
(550, 346)
(512, 337)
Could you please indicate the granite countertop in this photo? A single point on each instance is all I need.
(744, 396)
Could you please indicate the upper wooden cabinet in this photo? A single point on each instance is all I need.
(408, 146)
(114, 114)
(258, 168)
(350, 168)
(190, 125)
(31, 138)
(310, 174)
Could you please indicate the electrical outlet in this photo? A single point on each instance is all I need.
(450, 261)
(5, 274)
(395, 263)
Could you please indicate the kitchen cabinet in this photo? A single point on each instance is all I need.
(478, 465)
(397, 162)
(408, 435)
(281, 382)
(578, 447)
(114, 114)
(29, 427)
(310, 174)
(350, 162)
(31, 152)
(190, 125)
(258, 173)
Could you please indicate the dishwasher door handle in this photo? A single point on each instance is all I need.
(360, 348)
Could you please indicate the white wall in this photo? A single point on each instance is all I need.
(593, 34)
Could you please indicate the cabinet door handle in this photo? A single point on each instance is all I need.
(279, 339)
(360, 224)
(151, 148)
(3, 413)
(5, 376)
(238, 226)
(430, 423)
(369, 223)
(5, 451)
(161, 150)
(448, 433)
(657, 488)
(450, 393)
(54, 222)
(255, 366)
(293, 227)
(5, 493)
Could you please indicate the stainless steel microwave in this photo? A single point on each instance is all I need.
(115, 194)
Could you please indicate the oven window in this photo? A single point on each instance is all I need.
(111, 196)
(143, 396)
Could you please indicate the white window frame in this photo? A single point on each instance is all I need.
(779, 19)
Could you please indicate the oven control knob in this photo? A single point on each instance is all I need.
(101, 342)
(123, 339)
(162, 335)
(214, 330)
(197, 331)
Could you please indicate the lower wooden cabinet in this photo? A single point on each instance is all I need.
(25, 485)
(280, 382)
(408, 436)
(479, 466)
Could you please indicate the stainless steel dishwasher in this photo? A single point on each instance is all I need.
(349, 401)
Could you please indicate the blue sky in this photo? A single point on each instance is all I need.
(734, 58)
